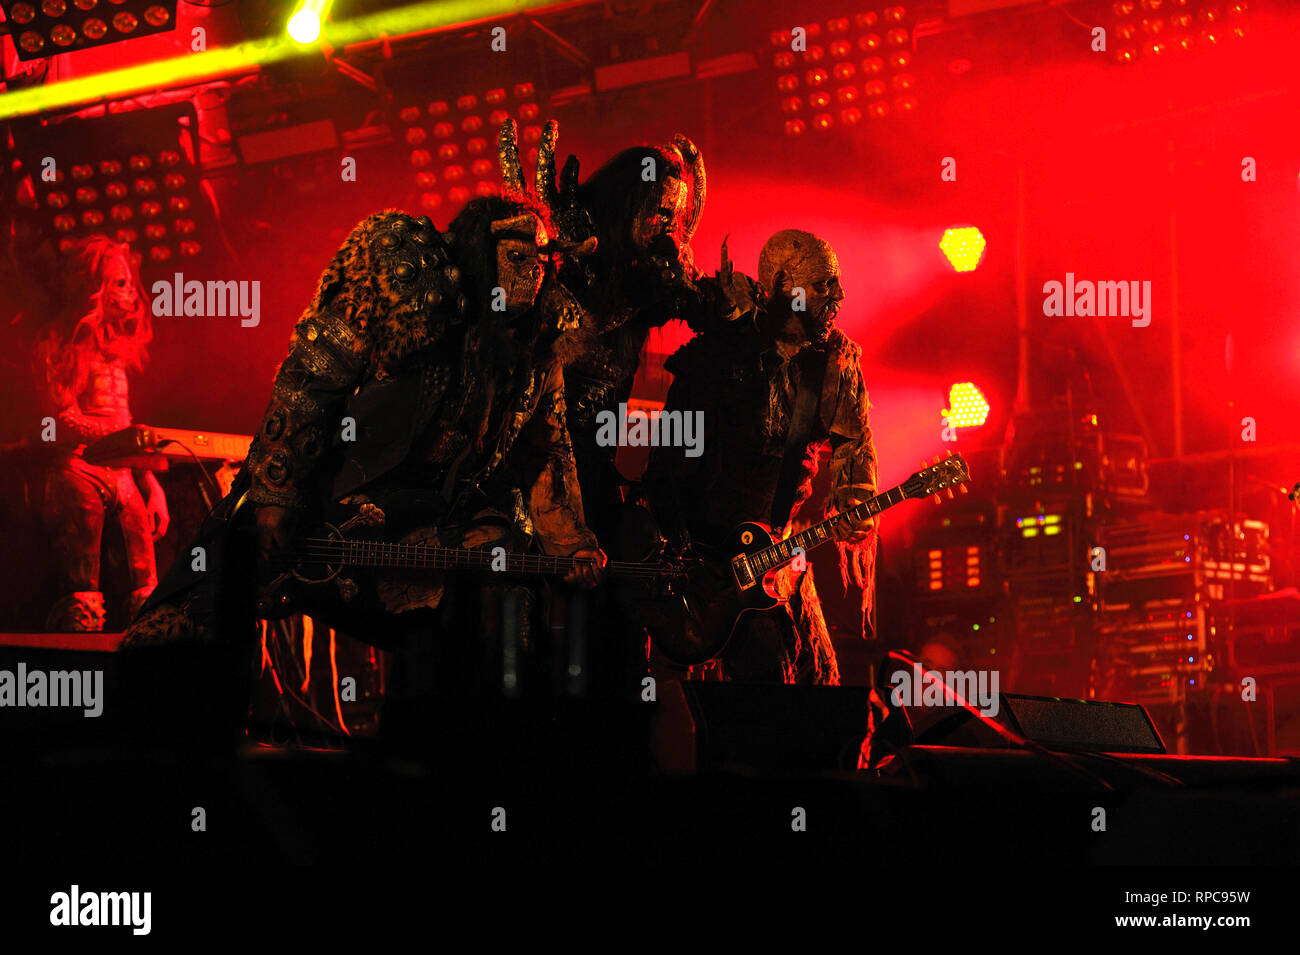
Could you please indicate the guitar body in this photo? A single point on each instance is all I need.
(340, 593)
(697, 618)
(693, 619)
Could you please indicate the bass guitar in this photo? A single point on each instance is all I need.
(329, 564)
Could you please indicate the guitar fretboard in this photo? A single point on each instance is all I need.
(782, 552)
(368, 553)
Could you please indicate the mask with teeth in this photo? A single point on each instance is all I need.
(800, 274)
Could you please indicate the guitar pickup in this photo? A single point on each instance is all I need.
(742, 572)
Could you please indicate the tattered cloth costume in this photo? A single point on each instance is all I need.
(451, 404)
(746, 390)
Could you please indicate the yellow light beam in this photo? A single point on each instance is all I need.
(198, 67)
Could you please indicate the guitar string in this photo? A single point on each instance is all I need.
(422, 557)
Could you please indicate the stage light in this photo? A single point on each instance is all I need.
(56, 26)
(1178, 32)
(220, 61)
(304, 26)
(461, 136)
(967, 406)
(148, 189)
(886, 41)
(964, 247)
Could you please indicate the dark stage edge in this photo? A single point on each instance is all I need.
(114, 805)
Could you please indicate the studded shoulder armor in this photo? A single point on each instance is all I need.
(391, 290)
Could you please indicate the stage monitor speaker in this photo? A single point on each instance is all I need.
(1090, 725)
(705, 726)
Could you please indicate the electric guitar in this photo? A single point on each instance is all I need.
(699, 616)
(323, 554)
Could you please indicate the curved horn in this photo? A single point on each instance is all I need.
(569, 178)
(546, 165)
(512, 172)
(691, 153)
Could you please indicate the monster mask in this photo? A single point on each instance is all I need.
(662, 212)
(801, 270)
(522, 254)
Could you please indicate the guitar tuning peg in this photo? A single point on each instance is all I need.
(963, 488)
(951, 495)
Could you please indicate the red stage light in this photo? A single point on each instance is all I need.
(964, 247)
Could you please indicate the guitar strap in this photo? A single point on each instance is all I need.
(812, 368)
